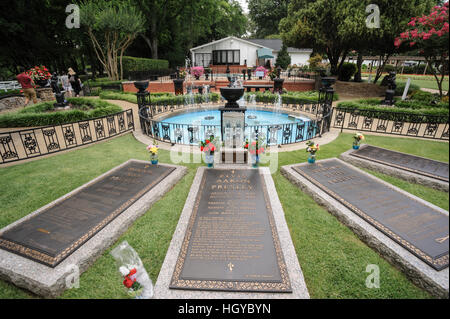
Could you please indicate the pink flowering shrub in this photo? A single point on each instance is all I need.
(430, 35)
(197, 71)
(263, 69)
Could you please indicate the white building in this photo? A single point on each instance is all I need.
(251, 52)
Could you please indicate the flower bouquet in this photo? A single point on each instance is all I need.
(130, 281)
(357, 138)
(208, 147)
(255, 149)
(312, 149)
(153, 150)
(39, 74)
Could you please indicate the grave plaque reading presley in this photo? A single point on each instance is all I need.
(415, 164)
(419, 228)
(53, 234)
(231, 242)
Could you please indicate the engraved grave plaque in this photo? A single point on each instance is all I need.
(56, 232)
(231, 243)
(415, 164)
(418, 228)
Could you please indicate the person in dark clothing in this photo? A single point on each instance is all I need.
(75, 82)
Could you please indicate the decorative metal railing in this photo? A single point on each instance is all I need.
(275, 134)
(395, 123)
(34, 142)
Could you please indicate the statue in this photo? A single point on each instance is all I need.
(390, 92)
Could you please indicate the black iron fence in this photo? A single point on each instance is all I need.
(395, 123)
(275, 134)
(34, 142)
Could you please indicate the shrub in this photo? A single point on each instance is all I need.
(39, 115)
(287, 98)
(143, 64)
(401, 87)
(157, 98)
(347, 71)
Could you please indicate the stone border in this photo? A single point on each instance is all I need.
(51, 282)
(421, 274)
(299, 289)
(395, 172)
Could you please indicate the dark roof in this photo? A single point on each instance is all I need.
(275, 45)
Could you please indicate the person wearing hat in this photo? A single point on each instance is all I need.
(75, 82)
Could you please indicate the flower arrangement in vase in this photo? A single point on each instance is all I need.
(153, 150)
(208, 147)
(357, 138)
(312, 150)
(255, 149)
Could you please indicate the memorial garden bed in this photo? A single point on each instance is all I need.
(332, 258)
(45, 113)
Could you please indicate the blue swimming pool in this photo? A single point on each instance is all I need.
(192, 127)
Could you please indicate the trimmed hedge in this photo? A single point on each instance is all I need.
(156, 98)
(130, 63)
(409, 111)
(40, 115)
(306, 97)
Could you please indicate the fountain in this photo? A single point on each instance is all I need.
(233, 123)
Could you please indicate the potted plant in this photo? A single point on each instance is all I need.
(153, 150)
(255, 149)
(208, 147)
(272, 74)
(312, 150)
(40, 75)
(357, 138)
(197, 72)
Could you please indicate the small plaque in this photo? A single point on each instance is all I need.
(418, 228)
(231, 242)
(407, 162)
(53, 234)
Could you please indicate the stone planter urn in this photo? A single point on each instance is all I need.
(178, 85)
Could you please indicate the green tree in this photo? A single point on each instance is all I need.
(266, 15)
(335, 27)
(112, 27)
(283, 58)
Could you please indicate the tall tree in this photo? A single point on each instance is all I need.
(335, 27)
(266, 15)
(112, 27)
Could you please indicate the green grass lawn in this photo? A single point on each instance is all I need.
(332, 258)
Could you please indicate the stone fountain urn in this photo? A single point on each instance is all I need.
(232, 95)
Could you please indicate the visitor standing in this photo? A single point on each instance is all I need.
(75, 82)
(64, 79)
(28, 87)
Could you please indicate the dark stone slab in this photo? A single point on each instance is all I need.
(231, 242)
(53, 234)
(415, 164)
(418, 228)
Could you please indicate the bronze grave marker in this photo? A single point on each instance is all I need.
(53, 234)
(415, 164)
(231, 242)
(418, 228)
